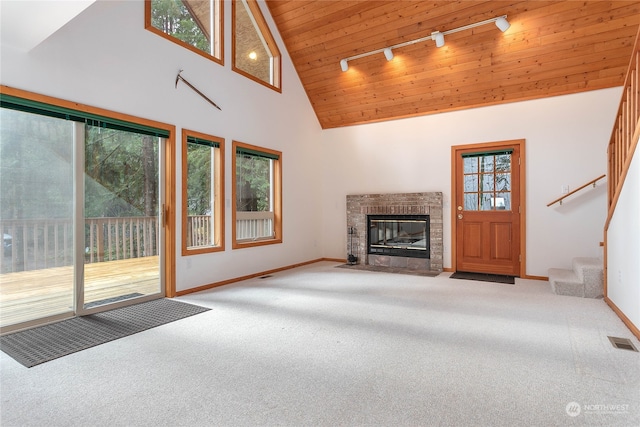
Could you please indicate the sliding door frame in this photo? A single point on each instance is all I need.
(167, 208)
(80, 279)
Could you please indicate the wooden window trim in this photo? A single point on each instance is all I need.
(277, 197)
(218, 186)
(269, 40)
(217, 56)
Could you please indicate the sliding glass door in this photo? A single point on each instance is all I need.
(122, 233)
(80, 214)
(36, 217)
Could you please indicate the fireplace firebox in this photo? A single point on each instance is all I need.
(398, 235)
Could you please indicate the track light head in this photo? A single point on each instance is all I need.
(502, 23)
(344, 65)
(388, 54)
(438, 37)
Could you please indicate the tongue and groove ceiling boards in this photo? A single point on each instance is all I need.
(552, 48)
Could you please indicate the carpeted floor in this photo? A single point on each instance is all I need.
(325, 346)
(45, 343)
(382, 269)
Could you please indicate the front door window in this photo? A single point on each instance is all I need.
(487, 181)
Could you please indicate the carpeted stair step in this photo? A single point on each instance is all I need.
(565, 282)
(591, 272)
(585, 280)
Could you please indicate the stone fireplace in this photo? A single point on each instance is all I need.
(400, 230)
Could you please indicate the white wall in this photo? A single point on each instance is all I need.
(623, 247)
(566, 139)
(105, 58)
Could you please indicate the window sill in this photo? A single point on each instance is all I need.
(252, 243)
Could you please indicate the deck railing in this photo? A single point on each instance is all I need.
(198, 230)
(254, 225)
(249, 226)
(32, 244)
(109, 239)
(45, 243)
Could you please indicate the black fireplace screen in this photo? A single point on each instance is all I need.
(399, 235)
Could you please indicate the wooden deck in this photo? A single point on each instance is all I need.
(35, 294)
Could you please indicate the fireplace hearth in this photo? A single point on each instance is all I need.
(398, 230)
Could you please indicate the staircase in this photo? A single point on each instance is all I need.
(585, 280)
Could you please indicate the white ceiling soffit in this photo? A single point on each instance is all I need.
(27, 23)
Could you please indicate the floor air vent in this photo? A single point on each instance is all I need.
(623, 343)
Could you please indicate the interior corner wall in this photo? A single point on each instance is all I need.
(623, 247)
(105, 58)
(566, 141)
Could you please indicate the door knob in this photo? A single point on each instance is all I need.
(459, 216)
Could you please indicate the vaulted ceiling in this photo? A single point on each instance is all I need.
(552, 48)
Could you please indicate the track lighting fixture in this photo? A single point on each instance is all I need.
(502, 24)
(437, 36)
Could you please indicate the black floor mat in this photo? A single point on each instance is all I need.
(38, 345)
(484, 277)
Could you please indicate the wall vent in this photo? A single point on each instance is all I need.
(622, 343)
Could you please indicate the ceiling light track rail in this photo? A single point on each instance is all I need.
(437, 36)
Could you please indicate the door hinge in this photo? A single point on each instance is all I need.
(519, 258)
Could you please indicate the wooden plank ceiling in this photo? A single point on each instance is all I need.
(552, 48)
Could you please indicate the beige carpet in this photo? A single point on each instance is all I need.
(326, 346)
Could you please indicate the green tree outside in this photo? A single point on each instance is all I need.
(173, 18)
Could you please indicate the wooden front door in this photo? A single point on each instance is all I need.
(487, 212)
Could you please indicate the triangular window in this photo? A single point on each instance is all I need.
(194, 24)
(255, 53)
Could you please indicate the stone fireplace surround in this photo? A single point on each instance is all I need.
(361, 205)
